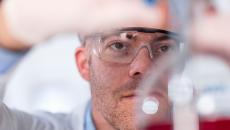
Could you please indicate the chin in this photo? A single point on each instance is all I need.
(127, 117)
(128, 124)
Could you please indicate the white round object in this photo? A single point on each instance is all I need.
(150, 105)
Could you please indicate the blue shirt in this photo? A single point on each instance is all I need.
(8, 59)
(88, 122)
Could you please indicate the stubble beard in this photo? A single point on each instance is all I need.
(104, 102)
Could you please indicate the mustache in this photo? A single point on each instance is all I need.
(129, 87)
(136, 87)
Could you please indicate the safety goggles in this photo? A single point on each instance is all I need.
(123, 45)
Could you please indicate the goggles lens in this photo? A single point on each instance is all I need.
(122, 46)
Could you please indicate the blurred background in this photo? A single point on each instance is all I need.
(47, 78)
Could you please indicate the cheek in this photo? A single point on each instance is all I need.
(110, 74)
(105, 80)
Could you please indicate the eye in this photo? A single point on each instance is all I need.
(118, 46)
(165, 48)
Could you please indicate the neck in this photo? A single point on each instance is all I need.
(100, 122)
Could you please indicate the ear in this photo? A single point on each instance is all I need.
(82, 62)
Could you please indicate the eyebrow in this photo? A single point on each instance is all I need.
(164, 37)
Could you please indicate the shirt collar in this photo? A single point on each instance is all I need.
(88, 121)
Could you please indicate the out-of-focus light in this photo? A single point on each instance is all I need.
(222, 5)
(150, 105)
(53, 100)
(150, 2)
(206, 105)
(180, 89)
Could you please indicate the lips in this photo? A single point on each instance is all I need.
(130, 96)
(155, 93)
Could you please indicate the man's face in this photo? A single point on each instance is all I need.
(114, 87)
(115, 80)
(114, 84)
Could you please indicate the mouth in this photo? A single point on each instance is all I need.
(136, 95)
(130, 96)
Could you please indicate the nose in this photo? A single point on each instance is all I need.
(140, 64)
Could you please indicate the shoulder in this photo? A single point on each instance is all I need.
(67, 121)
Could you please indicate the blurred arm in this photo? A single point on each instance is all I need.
(6, 39)
(32, 21)
(17, 120)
